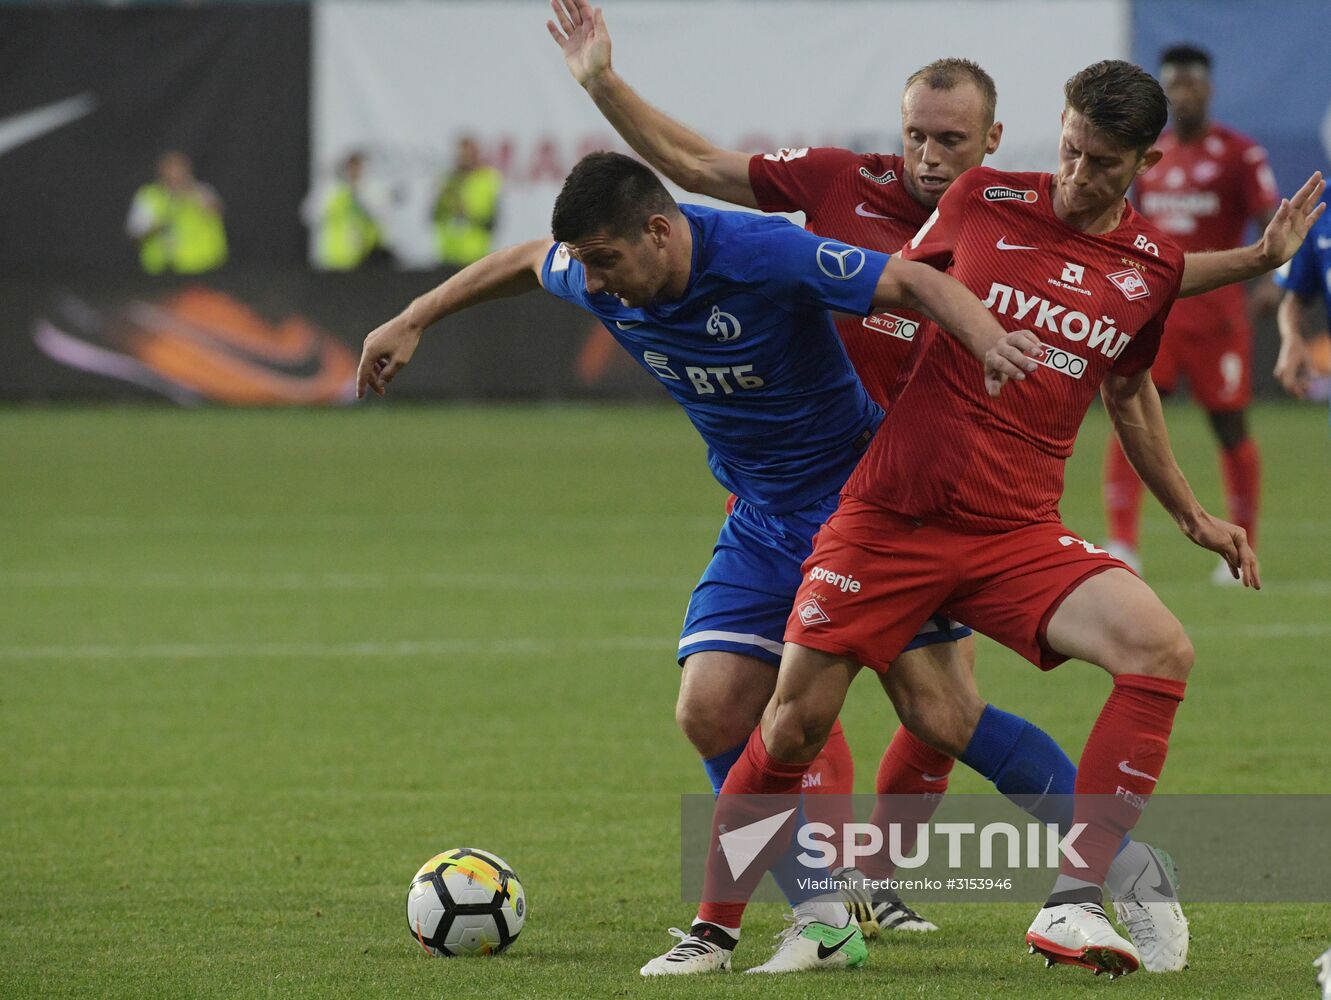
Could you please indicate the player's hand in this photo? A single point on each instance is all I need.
(1231, 542)
(1289, 226)
(582, 34)
(1292, 366)
(387, 349)
(1010, 359)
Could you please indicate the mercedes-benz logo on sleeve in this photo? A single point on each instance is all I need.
(836, 260)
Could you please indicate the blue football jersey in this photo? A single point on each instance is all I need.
(750, 352)
(1308, 274)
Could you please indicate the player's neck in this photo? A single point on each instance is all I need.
(1091, 221)
(1191, 131)
(681, 263)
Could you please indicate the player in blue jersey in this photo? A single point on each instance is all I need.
(728, 311)
(1305, 278)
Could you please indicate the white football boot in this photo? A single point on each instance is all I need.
(1222, 577)
(1125, 553)
(810, 944)
(705, 948)
(858, 900)
(1146, 904)
(1081, 934)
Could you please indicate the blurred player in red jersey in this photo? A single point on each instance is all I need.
(955, 504)
(880, 200)
(1211, 181)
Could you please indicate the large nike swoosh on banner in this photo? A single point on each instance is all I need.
(22, 128)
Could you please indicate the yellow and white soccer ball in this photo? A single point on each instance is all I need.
(466, 902)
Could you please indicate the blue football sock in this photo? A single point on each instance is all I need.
(719, 766)
(1025, 764)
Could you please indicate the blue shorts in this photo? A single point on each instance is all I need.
(744, 597)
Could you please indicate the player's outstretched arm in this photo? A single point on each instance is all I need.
(1283, 235)
(506, 272)
(1292, 362)
(674, 149)
(908, 284)
(1134, 408)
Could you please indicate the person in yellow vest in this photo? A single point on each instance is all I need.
(177, 220)
(467, 208)
(347, 234)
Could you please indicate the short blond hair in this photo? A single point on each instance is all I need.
(947, 74)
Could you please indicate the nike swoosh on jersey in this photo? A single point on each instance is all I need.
(27, 126)
(826, 952)
(628, 325)
(861, 210)
(1003, 244)
(1123, 766)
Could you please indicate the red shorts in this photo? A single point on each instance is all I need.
(1215, 353)
(874, 577)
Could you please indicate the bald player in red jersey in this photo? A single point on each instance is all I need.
(955, 504)
(1210, 184)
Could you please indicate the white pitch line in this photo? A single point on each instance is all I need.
(487, 647)
(405, 647)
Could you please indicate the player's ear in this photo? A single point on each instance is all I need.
(994, 137)
(658, 229)
(1148, 160)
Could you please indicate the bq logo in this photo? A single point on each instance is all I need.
(999, 193)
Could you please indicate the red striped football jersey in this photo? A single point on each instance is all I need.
(947, 451)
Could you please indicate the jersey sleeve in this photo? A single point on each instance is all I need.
(794, 180)
(797, 265)
(1142, 349)
(1257, 182)
(562, 276)
(1299, 274)
(936, 240)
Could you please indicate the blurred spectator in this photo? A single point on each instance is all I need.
(467, 208)
(344, 216)
(177, 220)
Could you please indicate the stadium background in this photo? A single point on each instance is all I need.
(257, 664)
(269, 97)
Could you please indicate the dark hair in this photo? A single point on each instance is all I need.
(608, 193)
(1121, 100)
(945, 74)
(1186, 55)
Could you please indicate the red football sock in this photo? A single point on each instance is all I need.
(1241, 467)
(1124, 756)
(755, 773)
(831, 780)
(909, 767)
(1123, 495)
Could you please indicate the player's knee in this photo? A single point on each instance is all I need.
(795, 730)
(1167, 652)
(713, 727)
(944, 724)
(1231, 428)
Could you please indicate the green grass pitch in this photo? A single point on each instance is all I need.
(256, 667)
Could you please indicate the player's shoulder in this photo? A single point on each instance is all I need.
(1223, 140)
(1141, 237)
(986, 184)
(735, 244)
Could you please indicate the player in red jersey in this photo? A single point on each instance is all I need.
(1211, 181)
(955, 504)
(876, 200)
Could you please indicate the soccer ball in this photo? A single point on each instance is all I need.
(466, 902)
